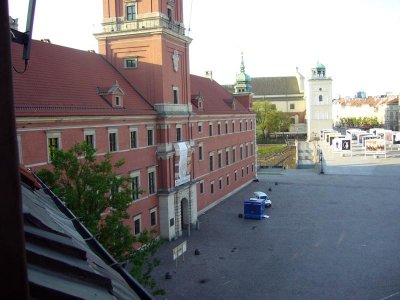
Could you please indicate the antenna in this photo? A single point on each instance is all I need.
(25, 38)
(29, 29)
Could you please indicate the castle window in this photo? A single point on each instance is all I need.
(131, 12)
(112, 140)
(90, 137)
(137, 224)
(131, 63)
(117, 101)
(53, 143)
(178, 134)
(175, 91)
(320, 98)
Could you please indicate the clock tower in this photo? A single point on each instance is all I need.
(146, 42)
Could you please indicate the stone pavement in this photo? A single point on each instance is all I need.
(330, 236)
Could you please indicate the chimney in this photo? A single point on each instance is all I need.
(209, 75)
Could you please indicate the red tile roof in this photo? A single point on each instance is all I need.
(371, 101)
(62, 81)
(216, 99)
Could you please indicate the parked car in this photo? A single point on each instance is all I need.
(263, 196)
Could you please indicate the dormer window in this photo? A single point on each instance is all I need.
(131, 63)
(117, 100)
(114, 95)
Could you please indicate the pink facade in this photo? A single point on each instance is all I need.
(186, 141)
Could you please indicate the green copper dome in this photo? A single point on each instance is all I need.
(320, 66)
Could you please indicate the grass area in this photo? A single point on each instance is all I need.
(268, 149)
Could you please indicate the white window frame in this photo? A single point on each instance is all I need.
(201, 184)
(133, 129)
(175, 91)
(152, 135)
(151, 170)
(130, 3)
(135, 174)
(201, 146)
(87, 132)
(211, 167)
(179, 126)
(110, 131)
(135, 218)
(52, 135)
(220, 159)
(200, 126)
(155, 211)
(135, 62)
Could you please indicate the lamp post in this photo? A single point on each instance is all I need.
(321, 170)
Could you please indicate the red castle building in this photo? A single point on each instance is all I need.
(186, 141)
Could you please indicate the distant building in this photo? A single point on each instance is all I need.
(287, 93)
(187, 142)
(385, 109)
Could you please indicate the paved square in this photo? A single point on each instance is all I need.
(332, 236)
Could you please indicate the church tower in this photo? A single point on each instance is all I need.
(146, 42)
(243, 81)
(243, 90)
(319, 102)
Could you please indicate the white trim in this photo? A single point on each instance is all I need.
(133, 129)
(154, 210)
(152, 169)
(110, 131)
(135, 218)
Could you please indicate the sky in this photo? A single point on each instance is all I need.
(357, 40)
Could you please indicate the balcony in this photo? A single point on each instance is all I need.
(148, 23)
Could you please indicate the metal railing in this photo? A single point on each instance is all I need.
(120, 25)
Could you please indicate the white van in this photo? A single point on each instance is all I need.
(263, 196)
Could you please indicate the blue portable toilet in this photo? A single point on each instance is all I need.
(254, 208)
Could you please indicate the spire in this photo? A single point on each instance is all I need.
(242, 68)
(243, 81)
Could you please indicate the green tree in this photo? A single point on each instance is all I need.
(91, 190)
(269, 119)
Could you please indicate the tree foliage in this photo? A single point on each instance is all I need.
(359, 122)
(99, 198)
(269, 119)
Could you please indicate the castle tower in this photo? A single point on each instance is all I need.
(146, 42)
(319, 102)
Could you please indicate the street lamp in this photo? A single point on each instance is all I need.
(321, 170)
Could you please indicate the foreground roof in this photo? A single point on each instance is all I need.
(61, 81)
(64, 260)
